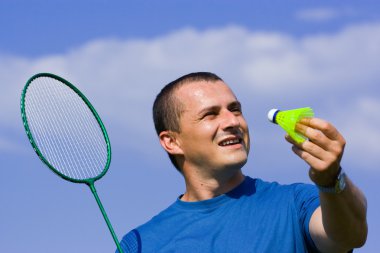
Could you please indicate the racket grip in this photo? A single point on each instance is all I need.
(93, 190)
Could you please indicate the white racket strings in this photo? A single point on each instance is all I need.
(64, 129)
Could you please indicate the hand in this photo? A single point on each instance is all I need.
(323, 150)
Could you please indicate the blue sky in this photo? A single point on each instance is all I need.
(283, 54)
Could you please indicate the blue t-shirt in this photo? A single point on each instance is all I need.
(256, 216)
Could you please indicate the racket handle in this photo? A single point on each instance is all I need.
(93, 190)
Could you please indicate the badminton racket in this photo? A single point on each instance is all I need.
(66, 133)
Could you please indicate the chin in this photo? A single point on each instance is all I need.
(237, 163)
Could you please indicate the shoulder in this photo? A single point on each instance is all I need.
(131, 242)
(160, 223)
(262, 185)
(297, 193)
(273, 187)
(147, 232)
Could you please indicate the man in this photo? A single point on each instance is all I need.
(200, 124)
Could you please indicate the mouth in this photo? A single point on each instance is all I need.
(230, 141)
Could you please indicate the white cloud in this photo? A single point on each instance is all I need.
(317, 14)
(328, 63)
(325, 14)
(360, 123)
(122, 77)
(8, 145)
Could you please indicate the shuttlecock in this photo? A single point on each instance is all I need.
(288, 120)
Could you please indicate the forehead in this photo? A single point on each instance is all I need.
(196, 95)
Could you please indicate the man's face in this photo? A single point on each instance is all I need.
(214, 134)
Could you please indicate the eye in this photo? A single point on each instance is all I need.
(209, 114)
(236, 109)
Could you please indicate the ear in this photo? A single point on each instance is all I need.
(169, 142)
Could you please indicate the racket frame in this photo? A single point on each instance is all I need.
(89, 181)
(34, 145)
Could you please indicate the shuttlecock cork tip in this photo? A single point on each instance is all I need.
(272, 115)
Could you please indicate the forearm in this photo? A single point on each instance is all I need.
(344, 216)
(340, 223)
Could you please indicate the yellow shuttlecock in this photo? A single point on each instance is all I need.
(288, 120)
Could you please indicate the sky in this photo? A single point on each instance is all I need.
(274, 54)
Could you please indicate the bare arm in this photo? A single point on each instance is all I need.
(339, 224)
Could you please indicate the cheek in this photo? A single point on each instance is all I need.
(210, 130)
(207, 130)
(247, 138)
(248, 143)
(199, 136)
(209, 127)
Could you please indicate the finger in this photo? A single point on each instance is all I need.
(320, 132)
(322, 125)
(319, 159)
(311, 148)
(316, 150)
(314, 162)
(314, 135)
(290, 140)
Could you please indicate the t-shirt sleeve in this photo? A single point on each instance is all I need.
(131, 242)
(306, 200)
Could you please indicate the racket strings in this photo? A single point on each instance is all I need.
(37, 125)
(82, 137)
(70, 139)
(65, 130)
(47, 146)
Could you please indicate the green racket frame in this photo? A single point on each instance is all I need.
(89, 181)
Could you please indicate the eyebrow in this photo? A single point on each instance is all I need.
(233, 104)
(217, 107)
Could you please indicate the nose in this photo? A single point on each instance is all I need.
(230, 120)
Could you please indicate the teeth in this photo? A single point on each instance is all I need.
(229, 142)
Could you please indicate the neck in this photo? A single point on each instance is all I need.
(198, 188)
